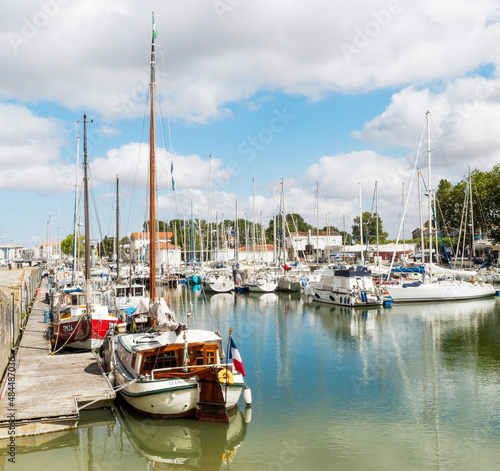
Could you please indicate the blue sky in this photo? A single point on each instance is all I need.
(325, 94)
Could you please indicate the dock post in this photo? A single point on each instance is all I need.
(13, 318)
(21, 307)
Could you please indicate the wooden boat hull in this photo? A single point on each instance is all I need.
(171, 397)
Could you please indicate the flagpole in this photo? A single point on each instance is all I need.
(227, 358)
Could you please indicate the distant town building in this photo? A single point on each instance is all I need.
(259, 253)
(311, 244)
(11, 252)
(47, 251)
(167, 253)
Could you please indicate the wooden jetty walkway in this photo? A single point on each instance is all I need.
(44, 392)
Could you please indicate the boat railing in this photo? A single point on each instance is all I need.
(179, 372)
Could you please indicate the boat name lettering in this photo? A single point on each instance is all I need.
(178, 382)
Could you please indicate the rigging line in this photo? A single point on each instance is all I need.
(92, 192)
(441, 148)
(169, 145)
(480, 209)
(407, 198)
(445, 225)
(436, 222)
(368, 223)
(166, 101)
(168, 150)
(138, 165)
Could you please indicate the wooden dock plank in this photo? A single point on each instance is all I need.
(50, 389)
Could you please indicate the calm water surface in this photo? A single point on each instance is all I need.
(408, 388)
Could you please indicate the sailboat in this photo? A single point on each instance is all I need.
(81, 317)
(436, 286)
(218, 280)
(126, 297)
(173, 370)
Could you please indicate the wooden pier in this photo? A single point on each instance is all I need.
(43, 392)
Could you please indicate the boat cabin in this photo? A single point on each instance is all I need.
(173, 357)
(127, 291)
(151, 354)
(77, 298)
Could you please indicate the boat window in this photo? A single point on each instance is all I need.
(202, 354)
(166, 359)
(210, 357)
(199, 357)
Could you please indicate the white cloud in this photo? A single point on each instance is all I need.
(30, 151)
(463, 121)
(131, 163)
(93, 55)
(99, 50)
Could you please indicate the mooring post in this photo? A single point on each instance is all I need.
(13, 320)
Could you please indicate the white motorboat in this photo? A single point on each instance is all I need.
(345, 286)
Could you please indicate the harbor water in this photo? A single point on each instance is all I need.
(413, 387)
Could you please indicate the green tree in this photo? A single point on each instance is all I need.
(106, 247)
(370, 224)
(346, 238)
(67, 245)
(454, 205)
(450, 205)
(294, 223)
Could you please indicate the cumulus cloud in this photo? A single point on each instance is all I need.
(131, 163)
(211, 58)
(224, 57)
(462, 125)
(31, 150)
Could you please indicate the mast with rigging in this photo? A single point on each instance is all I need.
(88, 286)
(152, 173)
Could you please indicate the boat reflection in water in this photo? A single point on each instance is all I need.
(185, 442)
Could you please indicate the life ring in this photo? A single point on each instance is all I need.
(225, 376)
(66, 274)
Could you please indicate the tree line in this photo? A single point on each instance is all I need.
(470, 207)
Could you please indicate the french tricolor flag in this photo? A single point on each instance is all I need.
(234, 355)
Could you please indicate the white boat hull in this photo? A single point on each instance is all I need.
(169, 398)
(327, 296)
(341, 286)
(261, 288)
(439, 291)
(218, 287)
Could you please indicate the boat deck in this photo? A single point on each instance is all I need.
(47, 391)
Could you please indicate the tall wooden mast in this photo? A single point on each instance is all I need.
(117, 222)
(152, 174)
